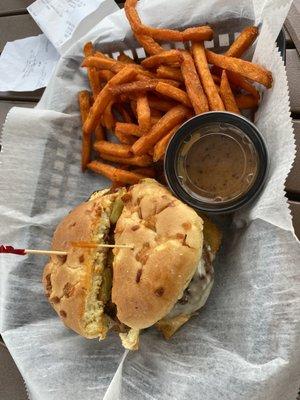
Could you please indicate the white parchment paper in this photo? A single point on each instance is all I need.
(245, 343)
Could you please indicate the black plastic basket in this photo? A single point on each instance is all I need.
(281, 43)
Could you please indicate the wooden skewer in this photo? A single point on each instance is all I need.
(88, 245)
(46, 252)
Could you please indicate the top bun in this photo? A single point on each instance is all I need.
(167, 237)
(74, 283)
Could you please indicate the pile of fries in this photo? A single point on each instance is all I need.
(144, 104)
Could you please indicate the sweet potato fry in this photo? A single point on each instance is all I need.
(160, 104)
(151, 47)
(105, 75)
(88, 49)
(99, 132)
(172, 118)
(146, 171)
(118, 65)
(128, 129)
(106, 63)
(193, 85)
(84, 106)
(214, 100)
(242, 42)
(113, 149)
(170, 82)
(249, 70)
(197, 34)
(174, 93)
(246, 101)
(84, 100)
(124, 139)
(134, 87)
(143, 113)
(131, 90)
(227, 95)
(125, 58)
(140, 161)
(115, 174)
(93, 76)
(165, 71)
(104, 97)
(243, 83)
(161, 146)
(94, 80)
(102, 63)
(155, 119)
(108, 118)
(165, 57)
(101, 55)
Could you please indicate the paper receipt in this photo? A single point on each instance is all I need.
(59, 19)
(27, 64)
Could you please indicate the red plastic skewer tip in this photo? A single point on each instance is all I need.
(12, 250)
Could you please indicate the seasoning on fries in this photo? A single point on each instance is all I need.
(242, 42)
(143, 113)
(161, 146)
(128, 129)
(197, 33)
(115, 174)
(105, 97)
(125, 58)
(227, 95)
(242, 83)
(165, 57)
(114, 149)
(172, 118)
(134, 87)
(150, 46)
(140, 161)
(167, 72)
(93, 76)
(84, 106)
(193, 85)
(213, 97)
(174, 93)
(142, 104)
(247, 69)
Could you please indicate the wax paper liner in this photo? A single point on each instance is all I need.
(244, 343)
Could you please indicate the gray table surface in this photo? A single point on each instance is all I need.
(16, 23)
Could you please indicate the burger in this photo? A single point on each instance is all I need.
(157, 272)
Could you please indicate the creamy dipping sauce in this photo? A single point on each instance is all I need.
(217, 163)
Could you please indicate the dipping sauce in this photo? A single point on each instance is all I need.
(218, 163)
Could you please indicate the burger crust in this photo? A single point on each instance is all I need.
(69, 281)
(167, 237)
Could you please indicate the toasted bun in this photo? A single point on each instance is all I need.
(73, 283)
(167, 236)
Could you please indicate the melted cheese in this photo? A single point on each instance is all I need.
(198, 290)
